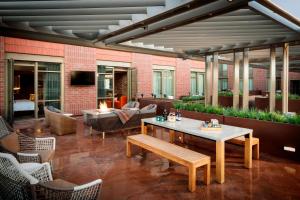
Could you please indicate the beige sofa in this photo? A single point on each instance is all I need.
(59, 123)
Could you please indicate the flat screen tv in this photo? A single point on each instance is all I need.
(82, 78)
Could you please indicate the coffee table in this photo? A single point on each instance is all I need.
(192, 127)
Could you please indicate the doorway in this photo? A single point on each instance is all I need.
(115, 85)
(31, 86)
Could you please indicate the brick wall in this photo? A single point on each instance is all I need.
(144, 73)
(17, 45)
(78, 98)
(2, 75)
(260, 79)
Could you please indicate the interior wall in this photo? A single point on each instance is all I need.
(121, 84)
(26, 84)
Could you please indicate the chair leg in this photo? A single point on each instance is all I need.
(91, 130)
(103, 135)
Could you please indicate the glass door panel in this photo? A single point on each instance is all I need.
(200, 82)
(168, 89)
(105, 85)
(157, 84)
(49, 86)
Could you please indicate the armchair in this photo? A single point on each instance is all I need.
(120, 103)
(16, 181)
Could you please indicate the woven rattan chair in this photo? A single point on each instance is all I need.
(5, 129)
(89, 191)
(16, 181)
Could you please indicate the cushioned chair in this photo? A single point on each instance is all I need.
(17, 179)
(25, 148)
(59, 123)
(121, 102)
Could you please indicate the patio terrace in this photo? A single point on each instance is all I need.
(82, 157)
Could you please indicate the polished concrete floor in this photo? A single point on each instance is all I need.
(81, 158)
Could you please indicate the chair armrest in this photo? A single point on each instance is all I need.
(89, 190)
(46, 143)
(44, 173)
(28, 157)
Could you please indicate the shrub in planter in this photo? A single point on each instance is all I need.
(192, 98)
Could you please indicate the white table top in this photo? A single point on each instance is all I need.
(192, 127)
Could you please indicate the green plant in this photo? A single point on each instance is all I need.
(226, 93)
(251, 114)
(291, 96)
(192, 98)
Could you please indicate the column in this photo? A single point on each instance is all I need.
(236, 80)
(215, 77)
(272, 80)
(208, 80)
(246, 79)
(285, 78)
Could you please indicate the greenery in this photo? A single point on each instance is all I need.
(251, 114)
(192, 98)
(291, 96)
(226, 93)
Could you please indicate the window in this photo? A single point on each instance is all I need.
(197, 83)
(223, 77)
(251, 84)
(163, 83)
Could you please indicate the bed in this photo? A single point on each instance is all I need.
(23, 105)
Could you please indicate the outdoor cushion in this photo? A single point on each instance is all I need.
(30, 167)
(149, 108)
(11, 142)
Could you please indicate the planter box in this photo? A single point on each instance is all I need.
(227, 101)
(263, 104)
(272, 136)
(200, 116)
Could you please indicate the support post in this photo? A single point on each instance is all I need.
(272, 80)
(236, 81)
(285, 78)
(246, 79)
(215, 81)
(208, 80)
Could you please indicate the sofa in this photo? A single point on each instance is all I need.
(59, 123)
(110, 122)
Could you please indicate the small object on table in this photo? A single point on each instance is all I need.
(160, 118)
(212, 125)
(171, 117)
(165, 114)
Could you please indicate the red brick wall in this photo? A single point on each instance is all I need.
(294, 75)
(260, 79)
(17, 45)
(78, 98)
(144, 73)
(2, 75)
(110, 55)
(230, 73)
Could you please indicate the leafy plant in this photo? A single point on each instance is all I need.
(192, 98)
(226, 93)
(251, 114)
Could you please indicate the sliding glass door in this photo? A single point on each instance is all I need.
(40, 86)
(197, 83)
(163, 83)
(48, 86)
(105, 85)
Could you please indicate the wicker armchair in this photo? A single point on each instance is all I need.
(89, 191)
(16, 180)
(131, 105)
(5, 129)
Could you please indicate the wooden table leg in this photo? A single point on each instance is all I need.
(207, 174)
(248, 151)
(192, 178)
(182, 137)
(143, 128)
(128, 148)
(172, 135)
(220, 161)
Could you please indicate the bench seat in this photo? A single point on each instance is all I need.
(186, 157)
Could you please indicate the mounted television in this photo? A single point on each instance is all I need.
(82, 78)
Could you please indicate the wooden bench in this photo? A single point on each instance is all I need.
(241, 141)
(191, 159)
